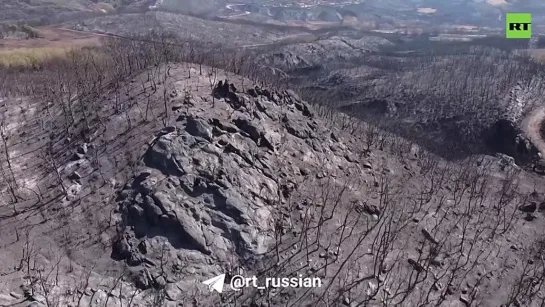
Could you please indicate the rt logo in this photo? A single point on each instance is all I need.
(518, 25)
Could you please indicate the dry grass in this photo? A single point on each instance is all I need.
(51, 38)
(31, 57)
(53, 44)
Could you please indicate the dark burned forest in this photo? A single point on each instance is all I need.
(452, 98)
(449, 97)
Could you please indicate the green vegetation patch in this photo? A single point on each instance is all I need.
(13, 31)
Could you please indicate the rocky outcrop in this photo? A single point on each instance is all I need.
(507, 138)
(210, 187)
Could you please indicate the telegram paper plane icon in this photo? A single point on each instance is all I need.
(215, 283)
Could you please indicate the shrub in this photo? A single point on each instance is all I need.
(18, 31)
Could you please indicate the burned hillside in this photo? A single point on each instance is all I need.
(138, 174)
(448, 97)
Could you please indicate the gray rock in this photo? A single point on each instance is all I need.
(122, 249)
(227, 127)
(77, 157)
(415, 150)
(294, 128)
(151, 210)
(371, 288)
(210, 201)
(268, 108)
(5, 300)
(334, 137)
(465, 299)
(142, 280)
(173, 293)
(82, 149)
(177, 106)
(272, 139)
(167, 156)
(292, 94)
(160, 282)
(367, 165)
(143, 247)
(303, 107)
(351, 158)
(250, 127)
(143, 175)
(539, 167)
(188, 140)
(530, 217)
(187, 182)
(147, 186)
(75, 176)
(190, 230)
(165, 200)
(199, 128)
(168, 129)
(123, 195)
(230, 203)
(136, 213)
(528, 208)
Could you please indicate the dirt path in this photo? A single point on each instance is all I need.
(531, 126)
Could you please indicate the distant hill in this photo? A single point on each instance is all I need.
(51, 11)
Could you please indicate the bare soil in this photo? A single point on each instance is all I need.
(532, 126)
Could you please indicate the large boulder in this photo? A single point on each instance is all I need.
(167, 154)
(252, 128)
(199, 128)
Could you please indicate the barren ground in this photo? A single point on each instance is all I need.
(370, 191)
(531, 126)
(175, 184)
(53, 37)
